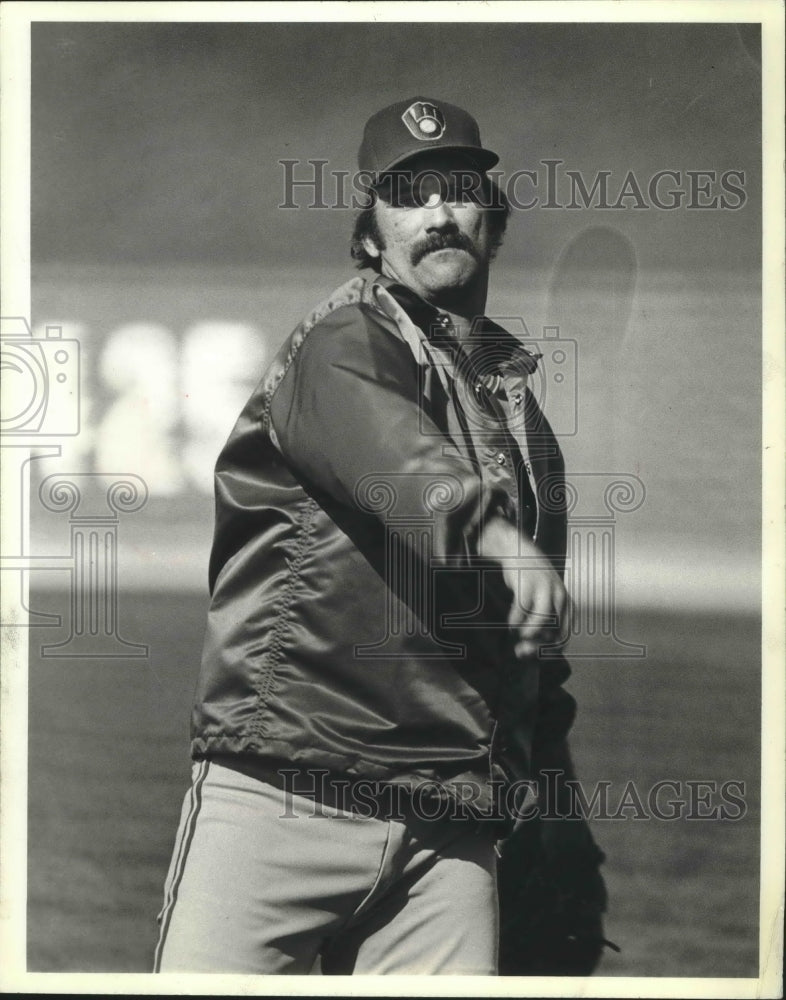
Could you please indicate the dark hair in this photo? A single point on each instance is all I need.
(493, 199)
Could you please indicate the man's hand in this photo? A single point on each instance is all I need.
(540, 608)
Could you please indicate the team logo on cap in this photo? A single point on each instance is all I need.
(424, 121)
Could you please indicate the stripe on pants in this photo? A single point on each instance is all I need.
(182, 844)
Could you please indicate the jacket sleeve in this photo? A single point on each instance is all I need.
(347, 417)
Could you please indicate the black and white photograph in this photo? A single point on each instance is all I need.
(392, 498)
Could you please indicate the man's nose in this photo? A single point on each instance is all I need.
(440, 214)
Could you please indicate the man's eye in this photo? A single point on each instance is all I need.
(424, 196)
(407, 197)
(414, 198)
(454, 194)
(462, 194)
(429, 191)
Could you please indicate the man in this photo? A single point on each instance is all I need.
(386, 570)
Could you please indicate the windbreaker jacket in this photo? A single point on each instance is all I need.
(352, 626)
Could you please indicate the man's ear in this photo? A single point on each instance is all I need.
(370, 247)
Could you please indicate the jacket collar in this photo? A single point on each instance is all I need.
(426, 317)
(422, 313)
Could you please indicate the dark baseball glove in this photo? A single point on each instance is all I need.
(552, 897)
(552, 894)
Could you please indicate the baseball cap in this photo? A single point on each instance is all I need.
(420, 125)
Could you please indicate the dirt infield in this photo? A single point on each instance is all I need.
(108, 766)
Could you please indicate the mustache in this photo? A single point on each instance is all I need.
(448, 239)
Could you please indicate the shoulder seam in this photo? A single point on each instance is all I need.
(348, 294)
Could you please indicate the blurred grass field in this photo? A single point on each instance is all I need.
(108, 766)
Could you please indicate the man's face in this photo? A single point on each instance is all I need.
(433, 236)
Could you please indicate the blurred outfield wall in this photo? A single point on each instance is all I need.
(657, 380)
(159, 242)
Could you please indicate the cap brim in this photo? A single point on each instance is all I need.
(482, 159)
